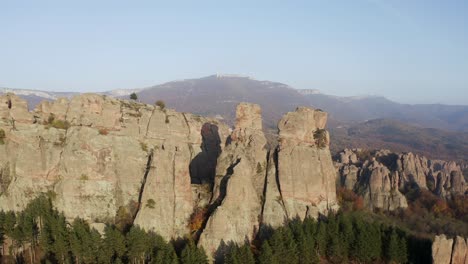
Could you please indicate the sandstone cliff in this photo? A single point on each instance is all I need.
(256, 187)
(449, 251)
(381, 176)
(115, 161)
(101, 159)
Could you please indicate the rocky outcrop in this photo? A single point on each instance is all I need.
(382, 188)
(449, 251)
(460, 251)
(370, 178)
(14, 111)
(103, 159)
(239, 183)
(442, 250)
(256, 188)
(123, 162)
(381, 176)
(305, 170)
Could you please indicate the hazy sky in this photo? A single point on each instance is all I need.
(409, 51)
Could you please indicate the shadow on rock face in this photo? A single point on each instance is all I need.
(203, 166)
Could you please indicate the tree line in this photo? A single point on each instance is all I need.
(41, 234)
(338, 238)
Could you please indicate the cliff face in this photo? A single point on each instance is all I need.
(256, 187)
(305, 168)
(381, 176)
(101, 158)
(108, 160)
(449, 251)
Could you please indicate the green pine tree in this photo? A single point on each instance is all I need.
(113, 245)
(138, 246)
(391, 249)
(346, 234)
(321, 238)
(402, 250)
(192, 254)
(266, 255)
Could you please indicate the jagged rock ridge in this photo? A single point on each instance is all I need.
(382, 176)
(108, 160)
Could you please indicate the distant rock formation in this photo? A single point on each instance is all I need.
(381, 176)
(449, 251)
(108, 161)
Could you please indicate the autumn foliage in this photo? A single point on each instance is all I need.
(349, 200)
(197, 219)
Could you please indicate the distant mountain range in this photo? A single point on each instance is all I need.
(401, 137)
(217, 95)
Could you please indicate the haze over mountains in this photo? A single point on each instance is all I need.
(217, 95)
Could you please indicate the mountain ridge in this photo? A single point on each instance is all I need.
(217, 95)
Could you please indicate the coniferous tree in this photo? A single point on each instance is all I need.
(266, 255)
(346, 234)
(233, 256)
(391, 249)
(305, 242)
(402, 250)
(83, 242)
(321, 238)
(138, 246)
(362, 247)
(291, 255)
(375, 241)
(26, 231)
(165, 254)
(2, 230)
(246, 255)
(334, 245)
(191, 254)
(133, 96)
(113, 245)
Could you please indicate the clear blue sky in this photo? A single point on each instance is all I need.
(413, 51)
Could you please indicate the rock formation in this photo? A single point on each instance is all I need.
(100, 159)
(460, 251)
(115, 161)
(256, 187)
(239, 183)
(381, 176)
(442, 250)
(305, 170)
(449, 251)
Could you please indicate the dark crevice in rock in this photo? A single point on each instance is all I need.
(265, 185)
(63, 143)
(9, 103)
(143, 182)
(222, 194)
(187, 124)
(174, 192)
(149, 122)
(224, 183)
(203, 166)
(278, 184)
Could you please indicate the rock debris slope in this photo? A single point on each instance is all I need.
(109, 160)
